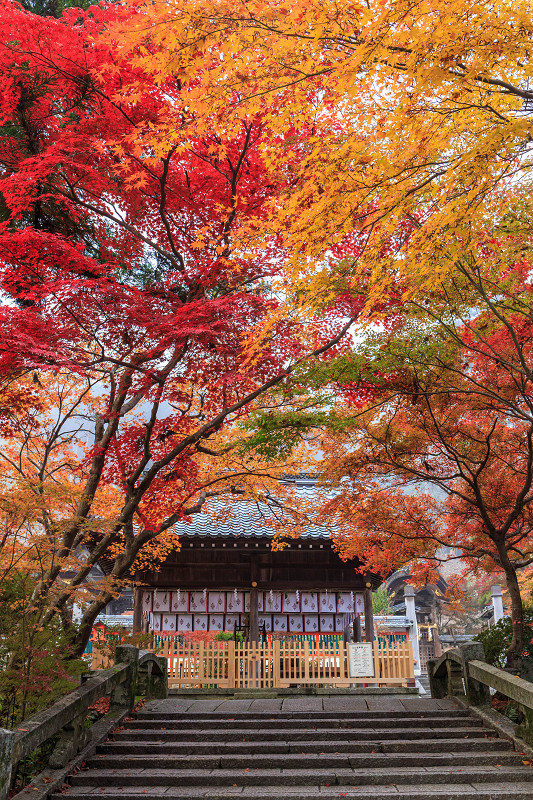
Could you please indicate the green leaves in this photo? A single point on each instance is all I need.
(274, 434)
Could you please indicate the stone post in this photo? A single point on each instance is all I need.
(72, 738)
(497, 602)
(123, 696)
(525, 730)
(151, 681)
(160, 682)
(410, 613)
(7, 740)
(456, 678)
(438, 681)
(476, 693)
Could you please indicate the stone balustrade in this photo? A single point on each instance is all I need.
(135, 672)
(463, 672)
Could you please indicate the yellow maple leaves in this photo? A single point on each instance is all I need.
(419, 111)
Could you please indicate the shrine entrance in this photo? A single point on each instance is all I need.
(299, 608)
(228, 583)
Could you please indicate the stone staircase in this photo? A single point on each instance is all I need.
(428, 752)
(423, 680)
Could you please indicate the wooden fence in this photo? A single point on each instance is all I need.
(277, 664)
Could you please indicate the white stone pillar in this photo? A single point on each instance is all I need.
(497, 602)
(410, 613)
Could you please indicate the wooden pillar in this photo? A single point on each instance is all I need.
(347, 634)
(253, 619)
(254, 614)
(369, 614)
(137, 609)
(437, 647)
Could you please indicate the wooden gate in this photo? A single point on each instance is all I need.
(277, 664)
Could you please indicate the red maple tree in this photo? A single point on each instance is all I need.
(440, 464)
(133, 264)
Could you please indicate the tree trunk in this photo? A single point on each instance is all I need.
(514, 651)
(83, 634)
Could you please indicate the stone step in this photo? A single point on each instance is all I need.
(337, 714)
(300, 734)
(367, 776)
(289, 746)
(299, 760)
(422, 754)
(419, 721)
(485, 791)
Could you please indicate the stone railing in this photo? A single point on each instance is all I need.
(463, 672)
(135, 672)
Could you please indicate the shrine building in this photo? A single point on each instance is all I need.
(228, 577)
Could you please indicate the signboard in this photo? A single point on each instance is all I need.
(361, 659)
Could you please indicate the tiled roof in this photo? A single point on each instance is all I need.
(247, 519)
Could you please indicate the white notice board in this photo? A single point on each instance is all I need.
(361, 659)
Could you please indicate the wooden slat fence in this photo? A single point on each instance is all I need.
(276, 664)
(394, 662)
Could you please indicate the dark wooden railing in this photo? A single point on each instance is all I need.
(463, 672)
(135, 672)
